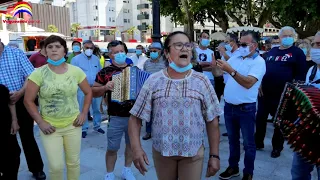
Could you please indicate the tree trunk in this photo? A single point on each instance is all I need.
(189, 22)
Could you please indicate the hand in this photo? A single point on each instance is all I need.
(224, 66)
(205, 64)
(80, 120)
(213, 167)
(260, 92)
(15, 96)
(109, 86)
(46, 128)
(221, 49)
(14, 127)
(140, 159)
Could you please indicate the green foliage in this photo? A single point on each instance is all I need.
(74, 28)
(52, 28)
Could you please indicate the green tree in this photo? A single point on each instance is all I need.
(52, 28)
(131, 31)
(301, 15)
(74, 28)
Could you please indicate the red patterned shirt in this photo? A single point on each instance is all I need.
(179, 110)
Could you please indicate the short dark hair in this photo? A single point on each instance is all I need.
(248, 33)
(115, 43)
(139, 45)
(234, 38)
(41, 44)
(203, 32)
(74, 42)
(53, 39)
(169, 38)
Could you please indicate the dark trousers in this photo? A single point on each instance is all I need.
(148, 126)
(10, 149)
(241, 117)
(268, 105)
(28, 141)
(219, 86)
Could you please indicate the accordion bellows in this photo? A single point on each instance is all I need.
(299, 119)
(128, 84)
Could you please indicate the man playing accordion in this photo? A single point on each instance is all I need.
(119, 121)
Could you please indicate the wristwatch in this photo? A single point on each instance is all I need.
(214, 156)
(233, 73)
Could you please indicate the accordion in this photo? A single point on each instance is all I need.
(298, 117)
(127, 85)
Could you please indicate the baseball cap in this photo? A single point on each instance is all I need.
(155, 45)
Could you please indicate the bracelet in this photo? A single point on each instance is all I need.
(213, 156)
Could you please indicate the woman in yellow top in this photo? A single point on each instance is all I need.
(59, 119)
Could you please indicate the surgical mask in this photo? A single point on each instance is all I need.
(56, 63)
(138, 52)
(205, 42)
(244, 51)
(275, 45)
(228, 47)
(76, 48)
(154, 55)
(315, 55)
(88, 52)
(304, 50)
(287, 41)
(120, 58)
(180, 69)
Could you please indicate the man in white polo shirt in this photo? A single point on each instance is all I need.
(246, 71)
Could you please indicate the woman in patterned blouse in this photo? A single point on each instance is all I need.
(181, 103)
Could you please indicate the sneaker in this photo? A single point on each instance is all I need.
(229, 173)
(84, 134)
(100, 131)
(110, 176)
(127, 174)
(147, 136)
(247, 177)
(275, 153)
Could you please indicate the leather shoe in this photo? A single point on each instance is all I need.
(275, 153)
(39, 175)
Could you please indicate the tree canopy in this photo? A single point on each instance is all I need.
(52, 28)
(301, 15)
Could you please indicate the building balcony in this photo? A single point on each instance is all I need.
(142, 6)
(143, 27)
(143, 16)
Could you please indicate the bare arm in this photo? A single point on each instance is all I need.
(245, 81)
(32, 90)
(134, 129)
(98, 90)
(225, 55)
(13, 112)
(213, 136)
(85, 87)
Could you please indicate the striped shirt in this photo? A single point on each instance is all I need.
(179, 110)
(14, 68)
(151, 66)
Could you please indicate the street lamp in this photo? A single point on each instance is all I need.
(156, 36)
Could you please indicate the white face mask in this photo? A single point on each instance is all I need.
(244, 51)
(315, 55)
(88, 52)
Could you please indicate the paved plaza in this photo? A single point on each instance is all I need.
(93, 159)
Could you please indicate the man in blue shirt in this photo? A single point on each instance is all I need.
(284, 64)
(90, 64)
(14, 71)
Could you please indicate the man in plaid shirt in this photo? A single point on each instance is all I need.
(14, 70)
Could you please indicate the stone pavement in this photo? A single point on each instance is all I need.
(93, 159)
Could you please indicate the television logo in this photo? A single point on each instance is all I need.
(18, 10)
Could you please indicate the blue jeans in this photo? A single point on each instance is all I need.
(148, 127)
(95, 105)
(241, 117)
(301, 170)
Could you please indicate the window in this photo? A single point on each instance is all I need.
(111, 9)
(128, 20)
(125, 20)
(96, 7)
(126, 11)
(110, 19)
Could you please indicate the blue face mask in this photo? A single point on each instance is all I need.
(287, 41)
(154, 55)
(304, 50)
(228, 47)
(205, 42)
(76, 48)
(138, 52)
(56, 63)
(180, 69)
(120, 58)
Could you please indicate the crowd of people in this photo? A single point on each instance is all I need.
(180, 103)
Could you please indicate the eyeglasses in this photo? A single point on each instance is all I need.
(89, 48)
(180, 45)
(153, 51)
(316, 43)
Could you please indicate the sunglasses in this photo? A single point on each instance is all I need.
(244, 44)
(153, 51)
